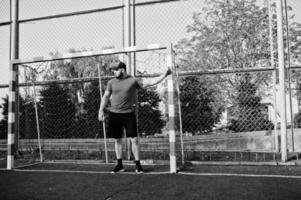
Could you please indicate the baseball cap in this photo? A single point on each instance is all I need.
(117, 65)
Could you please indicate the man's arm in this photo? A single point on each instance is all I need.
(104, 103)
(159, 80)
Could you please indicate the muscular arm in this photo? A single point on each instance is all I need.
(104, 103)
(157, 81)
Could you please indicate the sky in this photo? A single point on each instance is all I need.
(93, 31)
(159, 23)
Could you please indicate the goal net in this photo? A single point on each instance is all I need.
(58, 106)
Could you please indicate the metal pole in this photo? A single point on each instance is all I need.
(12, 132)
(127, 32)
(133, 56)
(127, 43)
(180, 114)
(171, 113)
(11, 118)
(37, 120)
(76, 13)
(289, 76)
(281, 82)
(88, 54)
(133, 35)
(274, 76)
(103, 123)
(15, 55)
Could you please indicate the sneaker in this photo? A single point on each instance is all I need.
(118, 168)
(139, 169)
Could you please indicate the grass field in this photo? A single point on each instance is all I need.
(94, 181)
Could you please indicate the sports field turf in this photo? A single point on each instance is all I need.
(94, 181)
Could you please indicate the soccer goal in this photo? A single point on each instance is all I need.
(54, 103)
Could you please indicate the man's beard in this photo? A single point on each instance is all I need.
(121, 75)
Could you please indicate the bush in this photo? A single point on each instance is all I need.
(297, 120)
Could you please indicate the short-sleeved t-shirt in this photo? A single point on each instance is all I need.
(123, 94)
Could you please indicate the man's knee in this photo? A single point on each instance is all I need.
(118, 141)
(134, 140)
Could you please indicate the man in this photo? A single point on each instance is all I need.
(121, 91)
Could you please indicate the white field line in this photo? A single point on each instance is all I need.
(88, 172)
(167, 172)
(241, 175)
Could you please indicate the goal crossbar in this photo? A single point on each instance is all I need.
(131, 49)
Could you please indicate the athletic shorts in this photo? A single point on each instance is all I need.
(120, 121)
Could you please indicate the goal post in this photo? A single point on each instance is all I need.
(36, 85)
(11, 116)
(171, 112)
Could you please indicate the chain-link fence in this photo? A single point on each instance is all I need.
(228, 112)
(217, 110)
(58, 109)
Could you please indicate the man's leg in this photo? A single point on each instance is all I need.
(118, 148)
(118, 151)
(135, 150)
(135, 147)
(115, 131)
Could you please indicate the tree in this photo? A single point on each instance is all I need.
(78, 67)
(4, 121)
(27, 120)
(86, 67)
(93, 128)
(248, 114)
(69, 69)
(297, 117)
(200, 111)
(149, 116)
(297, 120)
(57, 112)
(74, 68)
(227, 35)
(231, 34)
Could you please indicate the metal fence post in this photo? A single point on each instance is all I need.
(274, 76)
(171, 112)
(282, 81)
(13, 90)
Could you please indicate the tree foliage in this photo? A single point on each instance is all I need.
(149, 116)
(227, 34)
(200, 111)
(4, 121)
(57, 115)
(297, 120)
(232, 35)
(248, 114)
(86, 67)
(92, 128)
(28, 125)
(27, 120)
